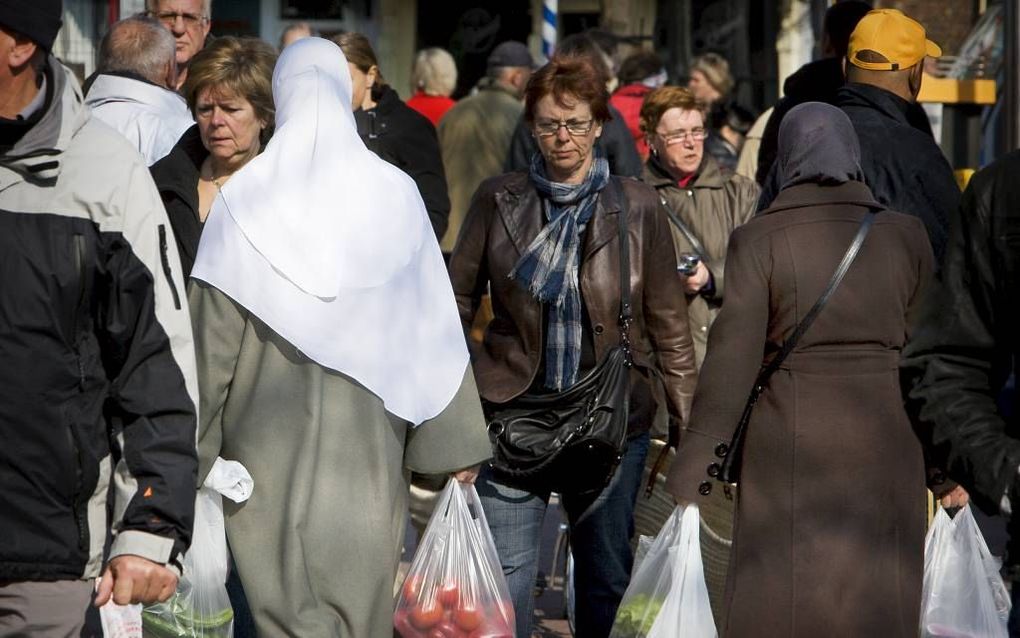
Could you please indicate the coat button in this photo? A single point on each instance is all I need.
(722, 450)
(713, 470)
(690, 193)
(705, 488)
(599, 328)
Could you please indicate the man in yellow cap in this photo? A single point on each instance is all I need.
(903, 165)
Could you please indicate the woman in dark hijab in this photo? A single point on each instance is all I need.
(829, 527)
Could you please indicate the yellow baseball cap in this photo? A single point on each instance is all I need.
(888, 32)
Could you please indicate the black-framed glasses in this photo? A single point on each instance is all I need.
(169, 18)
(675, 137)
(547, 128)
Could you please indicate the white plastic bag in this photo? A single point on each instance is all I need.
(963, 595)
(455, 585)
(121, 621)
(667, 596)
(201, 608)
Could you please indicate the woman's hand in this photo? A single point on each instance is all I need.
(467, 475)
(957, 497)
(698, 280)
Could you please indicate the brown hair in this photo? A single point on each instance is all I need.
(358, 51)
(568, 75)
(665, 98)
(242, 65)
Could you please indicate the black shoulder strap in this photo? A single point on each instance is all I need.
(729, 471)
(696, 245)
(626, 312)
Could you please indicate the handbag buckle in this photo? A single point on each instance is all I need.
(497, 428)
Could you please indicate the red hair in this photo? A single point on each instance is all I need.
(568, 76)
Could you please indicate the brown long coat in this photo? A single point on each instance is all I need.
(829, 528)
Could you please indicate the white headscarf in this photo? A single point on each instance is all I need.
(332, 248)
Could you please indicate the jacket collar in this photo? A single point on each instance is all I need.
(809, 195)
(178, 172)
(108, 88)
(520, 208)
(888, 104)
(710, 174)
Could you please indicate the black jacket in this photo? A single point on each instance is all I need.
(816, 81)
(97, 368)
(406, 138)
(903, 166)
(966, 346)
(616, 142)
(176, 177)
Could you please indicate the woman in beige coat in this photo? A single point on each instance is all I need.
(829, 527)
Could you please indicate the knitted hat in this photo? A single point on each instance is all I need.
(716, 70)
(39, 20)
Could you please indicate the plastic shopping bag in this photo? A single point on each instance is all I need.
(455, 585)
(963, 594)
(121, 621)
(667, 596)
(200, 608)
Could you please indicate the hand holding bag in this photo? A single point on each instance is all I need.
(572, 441)
(963, 594)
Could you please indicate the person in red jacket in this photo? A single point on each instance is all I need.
(434, 78)
(640, 74)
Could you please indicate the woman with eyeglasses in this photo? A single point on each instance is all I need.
(704, 202)
(545, 245)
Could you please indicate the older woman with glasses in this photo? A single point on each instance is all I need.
(188, 21)
(546, 246)
(704, 202)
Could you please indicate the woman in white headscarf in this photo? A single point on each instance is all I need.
(331, 360)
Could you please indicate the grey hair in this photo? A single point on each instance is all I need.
(138, 44)
(150, 6)
(434, 72)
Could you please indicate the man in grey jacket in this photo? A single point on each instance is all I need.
(133, 92)
(97, 382)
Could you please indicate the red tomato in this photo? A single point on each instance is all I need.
(449, 594)
(402, 624)
(426, 615)
(467, 618)
(446, 629)
(412, 588)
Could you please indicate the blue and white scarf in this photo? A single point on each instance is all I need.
(549, 267)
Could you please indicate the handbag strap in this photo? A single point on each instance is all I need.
(732, 454)
(692, 239)
(626, 312)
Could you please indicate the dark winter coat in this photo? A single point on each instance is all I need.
(406, 138)
(829, 529)
(176, 177)
(966, 346)
(616, 143)
(505, 217)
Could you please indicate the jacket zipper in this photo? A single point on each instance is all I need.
(79, 260)
(79, 519)
(165, 259)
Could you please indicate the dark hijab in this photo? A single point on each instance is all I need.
(817, 145)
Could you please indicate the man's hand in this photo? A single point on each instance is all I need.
(467, 475)
(957, 497)
(133, 579)
(697, 281)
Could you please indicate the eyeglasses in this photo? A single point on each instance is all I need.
(676, 137)
(169, 18)
(547, 128)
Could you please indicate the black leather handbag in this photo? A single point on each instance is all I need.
(732, 462)
(571, 441)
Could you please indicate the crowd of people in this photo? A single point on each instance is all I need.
(221, 249)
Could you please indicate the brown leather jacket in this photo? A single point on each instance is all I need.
(504, 218)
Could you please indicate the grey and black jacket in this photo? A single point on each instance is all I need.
(97, 374)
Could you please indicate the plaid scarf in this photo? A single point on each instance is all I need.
(549, 267)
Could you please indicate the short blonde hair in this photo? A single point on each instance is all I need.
(434, 72)
(241, 65)
(663, 99)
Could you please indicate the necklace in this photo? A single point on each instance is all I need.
(217, 182)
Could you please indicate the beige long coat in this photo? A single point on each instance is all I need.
(829, 528)
(715, 203)
(318, 543)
